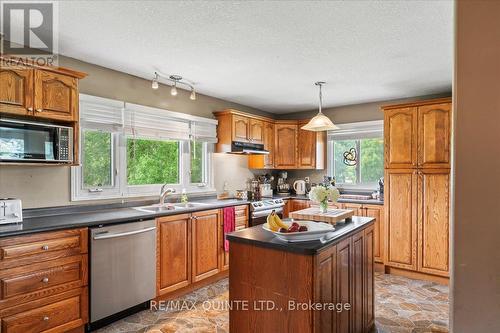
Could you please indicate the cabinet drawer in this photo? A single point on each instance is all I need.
(31, 249)
(45, 318)
(240, 211)
(241, 221)
(33, 281)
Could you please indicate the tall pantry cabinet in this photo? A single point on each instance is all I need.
(417, 140)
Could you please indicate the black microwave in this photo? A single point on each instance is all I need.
(26, 141)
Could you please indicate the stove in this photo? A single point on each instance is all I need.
(259, 210)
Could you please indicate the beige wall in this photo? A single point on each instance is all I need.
(50, 186)
(476, 226)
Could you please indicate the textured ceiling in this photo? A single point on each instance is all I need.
(267, 54)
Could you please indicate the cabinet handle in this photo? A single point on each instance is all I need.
(45, 280)
(30, 109)
(45, 247)
(46, 318)
(194, 217)
(39, 110)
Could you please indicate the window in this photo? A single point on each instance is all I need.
(152, 162)
(363, 145)
(131, 151)
(97, 159)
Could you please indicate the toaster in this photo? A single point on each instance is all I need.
(11, 211)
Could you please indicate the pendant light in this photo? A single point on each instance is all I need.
(319, 122)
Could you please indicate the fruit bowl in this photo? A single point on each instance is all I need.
(315, 231)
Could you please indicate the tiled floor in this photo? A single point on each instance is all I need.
(401, 305)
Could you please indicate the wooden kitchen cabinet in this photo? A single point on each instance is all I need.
(206, 243)
(434, 135)
(256, 131)
(285, 138)
(44, 280)
(174, 253)
(298, 204)
(241, 222)
(377, 212)
(16, 90)
(269, 145)
(434, 221)
(401, 218)
(306, 146)
(240, 128)
(356, 208)
(400, 137)
(56, 96)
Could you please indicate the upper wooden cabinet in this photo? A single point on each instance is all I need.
(40, 92)
(16, 90)
(418, 134)
(434, 135)
(240, 128)
(256, 131)
(269, 145)
(285, 138)
(56, 96)
(306, 148)
(400, 142)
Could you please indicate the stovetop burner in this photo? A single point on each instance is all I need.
(266, 204)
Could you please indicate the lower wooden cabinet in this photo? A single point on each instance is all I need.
(174, 253)
(298, 204)
(43, 282)
(241, 221)
(206, 242)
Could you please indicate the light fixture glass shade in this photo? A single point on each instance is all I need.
(193, 95)
(154, 84)
(173, 91)
(319, 123)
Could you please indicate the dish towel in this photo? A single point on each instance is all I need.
(229, 224)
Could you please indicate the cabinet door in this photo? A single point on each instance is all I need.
(299, 204)
(306, 149)
(56, 96)
(256, 131)
(286, 208)
(325, 288)
(368, 287)
(285, 137)
(377, 212)
(344, 282)
(434, 221)
(205, 243)
(174, 257)
(16, 90)
(400, 138)
(269, 145)
(355, 207)
(401, 218)
(434, 123)
(240, 128)
(358, 268)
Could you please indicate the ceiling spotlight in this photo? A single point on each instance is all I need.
(154, 83)
(173, 91)
(193, 95)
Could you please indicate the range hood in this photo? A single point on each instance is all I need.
(247, 148)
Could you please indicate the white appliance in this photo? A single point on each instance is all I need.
(259, 210)
(11, 211)
(266, 190)
(300, 187)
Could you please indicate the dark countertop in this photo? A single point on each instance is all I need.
(259, 237)
(86, 216)
(305, 197)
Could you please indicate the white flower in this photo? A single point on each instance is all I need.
(321, 193)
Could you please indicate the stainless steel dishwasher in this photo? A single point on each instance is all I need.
(122, 267)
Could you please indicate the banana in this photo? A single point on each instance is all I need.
(271, 222)
(278, 222)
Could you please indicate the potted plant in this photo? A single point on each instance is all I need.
(322, 194)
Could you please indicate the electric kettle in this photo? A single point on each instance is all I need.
(299, 186)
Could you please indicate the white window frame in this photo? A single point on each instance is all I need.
(353, 131)
(119, 162)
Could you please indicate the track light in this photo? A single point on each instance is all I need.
(154, 83)
(193, 95)
(173, 91)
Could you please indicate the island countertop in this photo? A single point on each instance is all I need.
(259, 237)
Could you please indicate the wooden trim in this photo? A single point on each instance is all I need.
(241, 113)
(30, 63)
(417, 103)
(416, 275)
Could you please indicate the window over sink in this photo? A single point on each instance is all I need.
(356, 155)
(129, 150)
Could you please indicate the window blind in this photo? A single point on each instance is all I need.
(101, 113)
(360, 130)
(204, 131)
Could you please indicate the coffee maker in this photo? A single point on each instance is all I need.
(283, 187)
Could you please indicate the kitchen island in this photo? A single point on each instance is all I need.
(302, 287)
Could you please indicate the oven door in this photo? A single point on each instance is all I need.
(260, 217)
(29, 141)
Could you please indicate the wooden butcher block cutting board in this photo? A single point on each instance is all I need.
(332, 216)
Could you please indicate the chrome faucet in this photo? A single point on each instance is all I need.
(164, 192)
